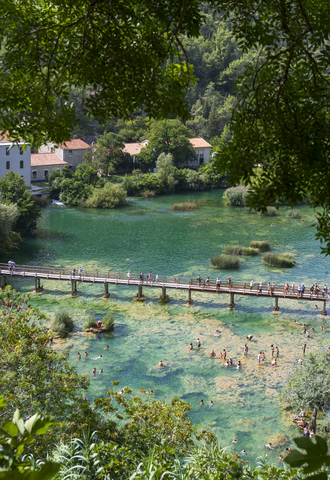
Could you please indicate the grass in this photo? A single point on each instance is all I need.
(63, 323)
(281, 260)
(90, 322)
(239, 250)
(108, 321)
(228, 262)
(149, 194)
(262, 246)
(293, 213)
(183, 206)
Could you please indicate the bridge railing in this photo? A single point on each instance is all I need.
(204, 284)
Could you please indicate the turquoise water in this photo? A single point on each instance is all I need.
(148, 235)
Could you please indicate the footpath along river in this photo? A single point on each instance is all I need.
(148, 235)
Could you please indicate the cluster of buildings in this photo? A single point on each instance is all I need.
(36, 167)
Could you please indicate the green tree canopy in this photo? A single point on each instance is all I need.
(282, 119)
(124, 54)
(13, 191)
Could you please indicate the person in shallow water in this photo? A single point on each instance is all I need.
(94, 370)
(161, 363)
(191, 347)
(202, 403)
(79, 356)
(198, 343)
(107, 347)
(212, 354)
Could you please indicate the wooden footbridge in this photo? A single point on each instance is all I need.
(163, 283)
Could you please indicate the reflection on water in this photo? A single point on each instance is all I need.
(149, 236)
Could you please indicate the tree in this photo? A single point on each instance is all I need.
(166, 172)
(309, 385)
(13, 191)
(8, 216)
(124, 55)
(171, 136)
(282, 119)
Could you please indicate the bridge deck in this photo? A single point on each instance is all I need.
(181, 283)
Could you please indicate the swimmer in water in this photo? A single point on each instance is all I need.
(161, 363)
(239, 364)
(202, 403)
(269, 445)
(234, 441)
(101, 370)
(249, 337)
(86, 354)
(107, 347)
(211, 403)
(97, 358)
(322, 327)
(79, 356)
(281, 458)
(213, 354)
(243, 452)
(316, 307)
(191, 347)
(94, 370)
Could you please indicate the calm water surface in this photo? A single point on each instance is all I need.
(153, 237)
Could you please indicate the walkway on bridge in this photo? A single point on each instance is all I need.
(164, 283)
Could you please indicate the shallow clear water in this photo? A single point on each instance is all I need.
(175, 243)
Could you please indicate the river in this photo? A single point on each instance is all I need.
(148, 235)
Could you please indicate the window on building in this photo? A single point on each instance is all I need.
(34, 174)
(46, 175)
(7, 150)
(21, 164)
(52, 149)
(197, 156)
(70, 153)
(7, 165)
(21, 151)
(201, 158)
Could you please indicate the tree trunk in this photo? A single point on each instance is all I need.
(313, 420)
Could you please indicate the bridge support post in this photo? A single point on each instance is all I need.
(232, 301)
(324, 311)
(189, 298)
(73, 287)
(37, 286)
(3, 282)
(106, 290)
(140, 297)
(164, 298)
(276, 308)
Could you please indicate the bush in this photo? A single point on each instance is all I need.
(149, 194)
(250, 251)
(63, 323)
(108, 321)
(293, 213)
(236, 196)
(225, 261)
(282, 260)
(110, 196)
(42, 201)
(271, 212)
(261, 246)
(232, 249)
(185, 206)
(90, 322)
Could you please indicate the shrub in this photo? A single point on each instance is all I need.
(282, 260)
(232, 249)
(250, 251)
(262, 246)
(185, 206)
(109, 196)
(225, 261)
(293, 213)
(149, 193)
(42, 201)
(108, 321)
(63, 323)
(236, 196)
(90, 322)
(271, 212)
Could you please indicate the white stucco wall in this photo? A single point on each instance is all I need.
(14, 158)
(205, 152)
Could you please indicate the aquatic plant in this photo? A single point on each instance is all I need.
(185, 206)
(63, 323)
(90, 322)
(149, 193)
(225, 261)
(262, 246)
(236, 196)
(293, 213)
(271, 212)
(109, 196)
(108, 321)
(250, 251)
(282, 260)
(232, 249)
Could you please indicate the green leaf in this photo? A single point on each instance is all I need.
(10, 428)
(18, 420)
(315, 456)
(2, 401)
(37, 425)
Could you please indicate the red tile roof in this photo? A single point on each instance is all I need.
(199, 143)
(45, 159)
(74, 144)
(5, 139)
(133, 148)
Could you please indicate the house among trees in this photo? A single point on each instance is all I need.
(52, 156)
(15, 157)
(201, 147)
